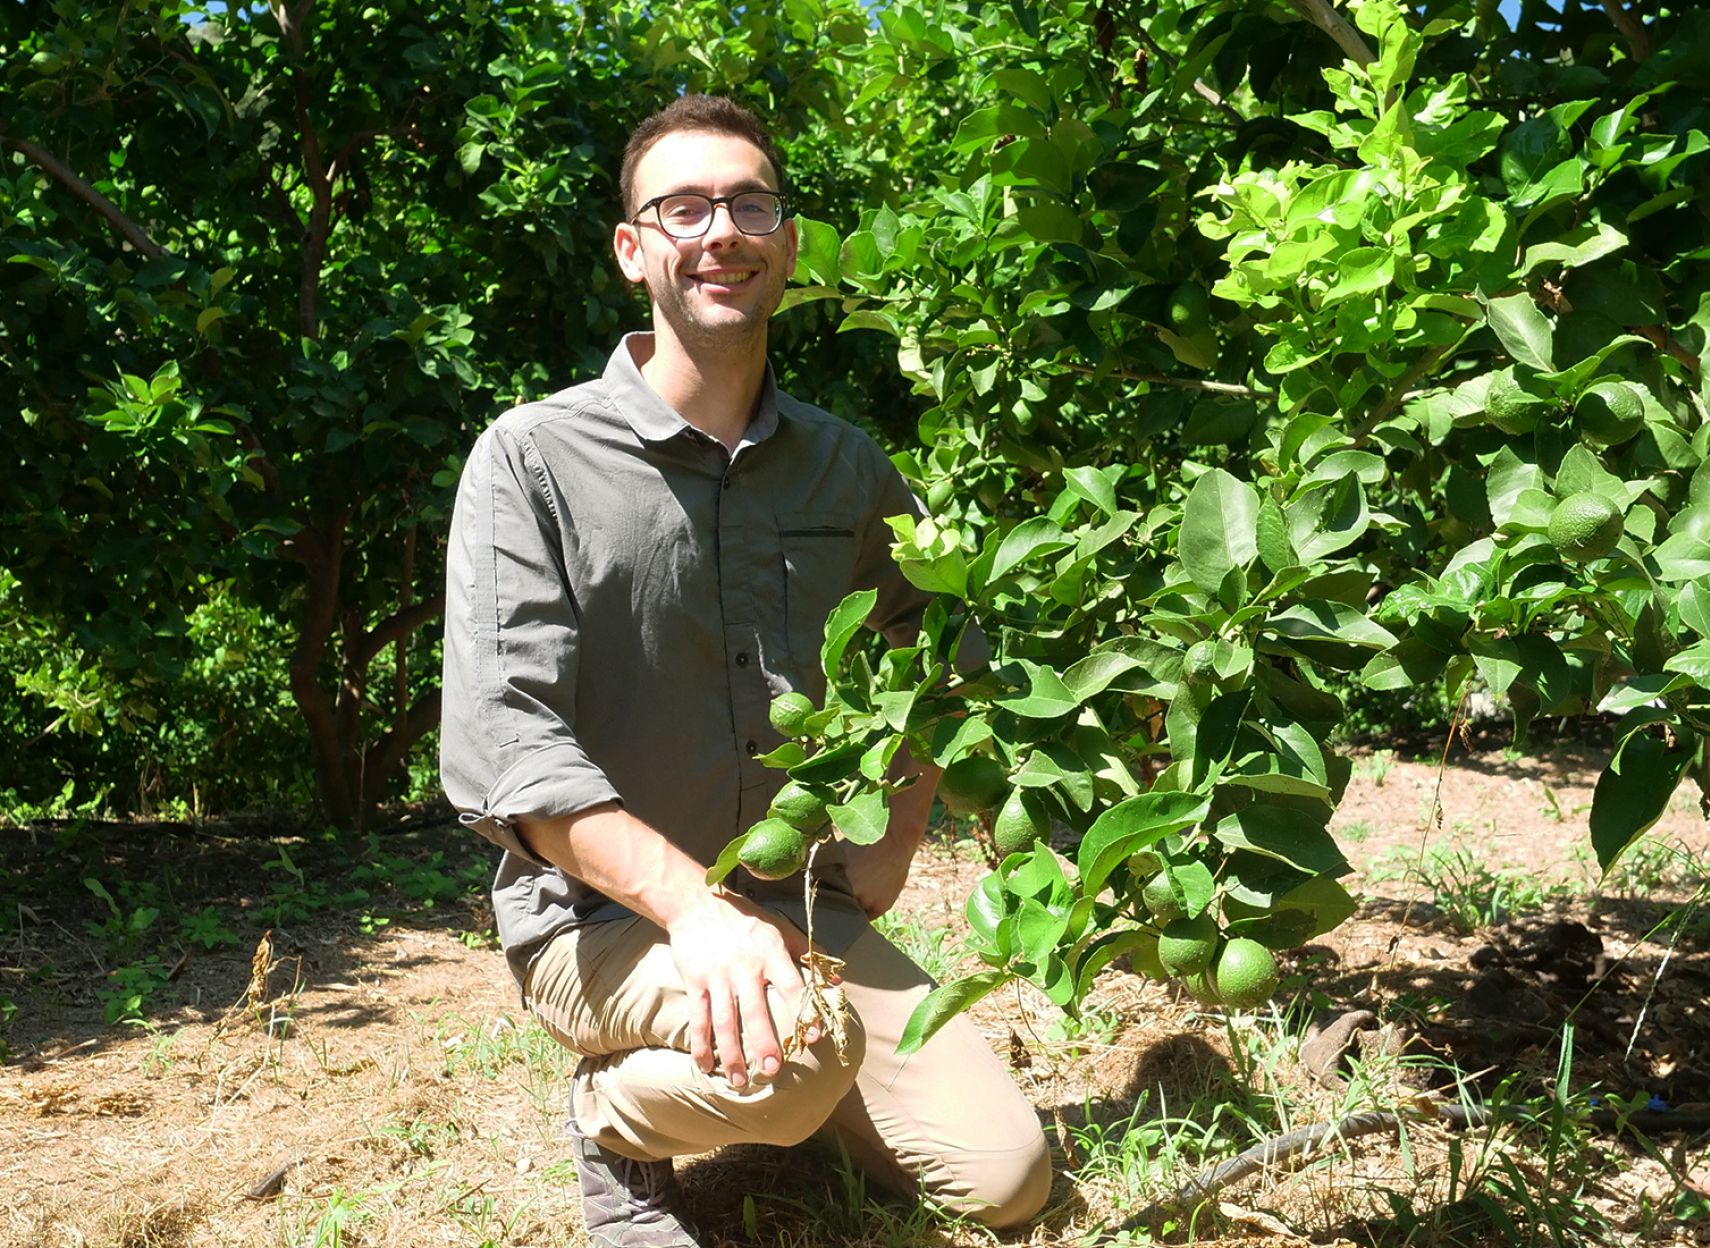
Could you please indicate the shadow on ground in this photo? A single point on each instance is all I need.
(158, 924)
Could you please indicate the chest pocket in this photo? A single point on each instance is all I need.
(819, 568)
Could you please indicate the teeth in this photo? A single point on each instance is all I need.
(726, 279)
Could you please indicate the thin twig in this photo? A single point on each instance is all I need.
(1332, 23)
(1632, 29)
(115, 216)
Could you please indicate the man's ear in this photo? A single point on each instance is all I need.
(626, 245)
(790, 244)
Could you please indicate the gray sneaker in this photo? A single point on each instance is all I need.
(628, 1203)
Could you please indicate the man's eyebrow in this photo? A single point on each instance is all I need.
(700, 188)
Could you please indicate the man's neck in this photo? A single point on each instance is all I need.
(716, 393)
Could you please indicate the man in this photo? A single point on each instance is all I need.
(637, 566)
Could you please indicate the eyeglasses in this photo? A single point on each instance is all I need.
(690, 216)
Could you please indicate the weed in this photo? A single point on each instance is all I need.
(1094, 1028)
(1377, 766)
(207, 928)
(1356, 832)
(328, 1224)
(1472, 895)
(121, 932)
(932, 948)
(130, 988)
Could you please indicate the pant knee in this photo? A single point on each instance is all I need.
(810, 1087)
(1003, 1189)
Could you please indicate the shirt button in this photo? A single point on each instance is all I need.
(726, 483)
(742, 659)
(752, 749)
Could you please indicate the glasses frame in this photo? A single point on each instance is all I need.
(713, 201)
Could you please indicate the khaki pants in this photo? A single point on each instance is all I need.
(947, 1120)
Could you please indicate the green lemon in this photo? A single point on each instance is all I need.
(1160, 900)
(973, 784)
(939, 494)
(1202, 987)
(1187, 945)
(1021, 823)
(800, 807)
(773, 850)
(1199, 664)
(1585, 526)
(1511, 409)
(1609, 413)
(789, 713)
(1188, 307)
(1144, 959)
(1245, 974)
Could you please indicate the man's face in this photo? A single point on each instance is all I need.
(723, 287)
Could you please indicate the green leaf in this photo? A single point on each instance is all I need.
(1051, 223)
(817, 253)
(1523, 330)
(1047, 696)
(1039, 929)
(1632, 793)
(1133, 825)
(1582, 246)
(1027, 540)
(842, 625)
(1330, 621)
(952, 738)
(1285, 834)
(943, 1004)
(1219, 528)
(862, 821)
(727, 859)
(1092, 485)
(830, 766)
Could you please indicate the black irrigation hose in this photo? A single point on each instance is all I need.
(1281, 1150)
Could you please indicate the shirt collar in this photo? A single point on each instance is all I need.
(655, 420)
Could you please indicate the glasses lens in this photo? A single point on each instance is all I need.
(685, 215)
(757, 212)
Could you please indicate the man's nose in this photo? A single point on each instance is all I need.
(727, 232)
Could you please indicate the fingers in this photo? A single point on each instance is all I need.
(701, 1031)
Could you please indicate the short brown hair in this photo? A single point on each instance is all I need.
(714, 113)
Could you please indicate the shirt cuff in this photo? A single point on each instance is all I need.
(547, 783)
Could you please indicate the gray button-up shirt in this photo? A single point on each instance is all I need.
(624, 597)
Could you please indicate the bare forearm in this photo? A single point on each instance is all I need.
(610, 850)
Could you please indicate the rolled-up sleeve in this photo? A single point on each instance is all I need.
(508, 747)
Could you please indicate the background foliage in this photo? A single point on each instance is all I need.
(1254, 350)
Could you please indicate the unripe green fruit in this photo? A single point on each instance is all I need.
(938, 494)
(1188, 308)
(1202, 988)
(789, 713)
(1609, 413)
(1511, 409)
(1021, 823)
(973, 784)
(773, 850)
(1160, 900)
(1187, 945)
(1245, 974)
(1585, 526)
(800, 807)
(1144, 959)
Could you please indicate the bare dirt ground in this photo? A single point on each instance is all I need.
(379, 1083)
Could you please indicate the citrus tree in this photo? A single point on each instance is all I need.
(1267, 348)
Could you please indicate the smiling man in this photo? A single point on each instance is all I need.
(637, 566)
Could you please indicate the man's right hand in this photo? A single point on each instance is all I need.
(729, 951)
